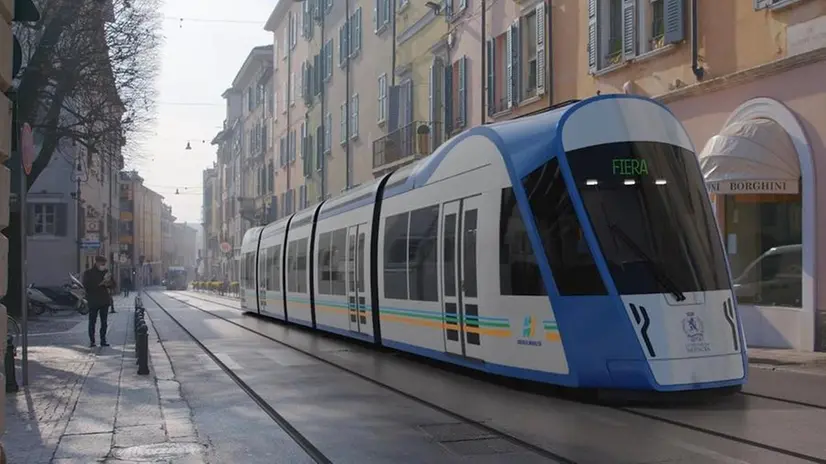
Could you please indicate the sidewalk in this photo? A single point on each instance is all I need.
(86, 405)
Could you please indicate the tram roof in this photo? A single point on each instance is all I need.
(524, 142)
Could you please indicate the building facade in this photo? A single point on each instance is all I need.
(167, 241)
(209, 259)
(140, 225)
(230, 144)
(6, 46)
(184, 248)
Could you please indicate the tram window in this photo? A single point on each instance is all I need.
(395, 256)
(292, 277)
(648, 206)
(301, 266)
(361, 263)
(518, 269)
(421, 258)
(324, 263)
(572, 264)
(339, 241)
(274, 265)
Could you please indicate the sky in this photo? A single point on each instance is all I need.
(205, 44)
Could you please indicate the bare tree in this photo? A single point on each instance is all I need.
(89, 73)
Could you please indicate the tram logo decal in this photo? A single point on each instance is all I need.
(528, 331)
(695, 332)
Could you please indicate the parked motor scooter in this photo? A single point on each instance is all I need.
(75, 287)
(38, 301)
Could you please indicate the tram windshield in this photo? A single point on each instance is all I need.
(648, 205)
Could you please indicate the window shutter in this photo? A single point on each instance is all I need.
(509, 65)
(431, 90)
(517, 63)
(302, 133)
(328, 133)
(357, 31)
(343, 123)
(462, 91)
(462, 4)
(319, 154)
(448, 99)
(409, 92)
(592, 36)
(302, 77)
(540, 48)
(376, 16)
(354, 129)
(629, 29)
(341, 46)
(762, 4)
(491, 95)
(281, 157)
(386, 6)
(345, 42)
(329, 67)
(674, 20)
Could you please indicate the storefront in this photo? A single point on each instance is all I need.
(760, 156)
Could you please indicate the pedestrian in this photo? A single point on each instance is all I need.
(98, 281)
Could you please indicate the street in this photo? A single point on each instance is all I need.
(310, 398)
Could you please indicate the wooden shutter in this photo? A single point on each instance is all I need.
(674, 13)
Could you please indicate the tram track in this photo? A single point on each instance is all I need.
(624, 409)
(303, 441)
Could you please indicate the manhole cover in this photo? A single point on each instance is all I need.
(156, 451)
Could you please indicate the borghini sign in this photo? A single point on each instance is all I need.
(733, 187)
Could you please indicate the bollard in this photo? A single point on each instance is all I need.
(11, 380)
(143, 353)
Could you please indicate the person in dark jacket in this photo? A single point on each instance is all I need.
(98, 281)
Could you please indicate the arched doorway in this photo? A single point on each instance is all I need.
(760, 171)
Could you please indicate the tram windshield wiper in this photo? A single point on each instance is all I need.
(656, 270)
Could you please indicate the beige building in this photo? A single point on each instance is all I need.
(141, 234)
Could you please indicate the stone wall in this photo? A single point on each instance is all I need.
(6, 10)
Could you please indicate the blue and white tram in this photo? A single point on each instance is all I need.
(575, 247)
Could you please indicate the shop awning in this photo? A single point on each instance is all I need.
(755, 156)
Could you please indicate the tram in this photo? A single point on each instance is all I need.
(574, 247)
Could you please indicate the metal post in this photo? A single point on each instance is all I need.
(482, 61)
(24, 296)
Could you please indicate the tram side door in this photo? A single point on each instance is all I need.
(460, 307)
(261, 286)
(357, 292)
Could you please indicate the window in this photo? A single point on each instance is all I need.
(382, 99)
(459, 94)
(518, 268)
(47, 219)
(297, 266)
(355, 33)
(529, 55)
(274, 268)
(763, 237)
(381, 15)
(566, 250)
(620, 30)
(395, 256)
(343, 44)
(656, 230)
(292, 145)
(293, 30)
(282, 152)
(292, 89)
(343, 123)
(303, 135)
(354, 124)
(328, 60)
(421, 254)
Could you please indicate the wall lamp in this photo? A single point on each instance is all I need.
(436, 7)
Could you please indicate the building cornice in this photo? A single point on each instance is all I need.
(745, 76)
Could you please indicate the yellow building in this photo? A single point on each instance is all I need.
(141, 231)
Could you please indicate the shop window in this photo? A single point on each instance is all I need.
(763, 240)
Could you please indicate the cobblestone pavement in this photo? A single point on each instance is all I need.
(86, 405)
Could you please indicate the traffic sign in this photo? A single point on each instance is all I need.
(226, 247)
(27, 148)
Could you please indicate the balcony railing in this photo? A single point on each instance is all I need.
(416, 138)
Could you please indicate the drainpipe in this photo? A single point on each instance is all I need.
(698, 70)
(347, 96)
(549, 47)
(393, 41)
(322, 155)
(484, 55)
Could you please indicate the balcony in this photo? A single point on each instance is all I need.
(412, 141)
